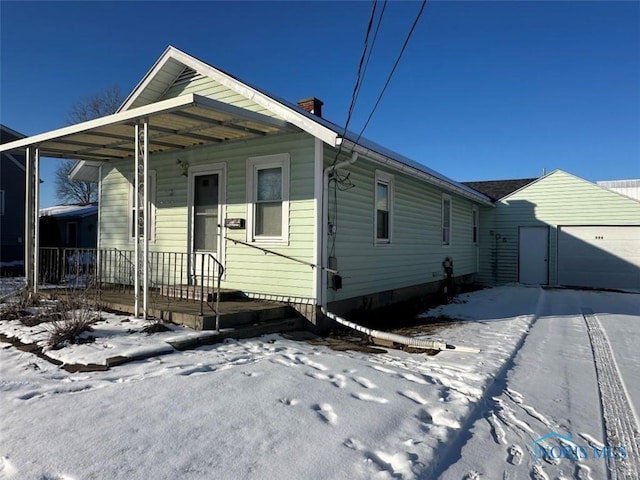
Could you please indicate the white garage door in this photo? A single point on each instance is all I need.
(599, 257)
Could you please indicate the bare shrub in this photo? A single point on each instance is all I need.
(72, 315)
(68, 328)
(18, 305)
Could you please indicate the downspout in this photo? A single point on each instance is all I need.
(392, 337)
(325, 224)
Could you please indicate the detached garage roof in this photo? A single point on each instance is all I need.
(497, 189)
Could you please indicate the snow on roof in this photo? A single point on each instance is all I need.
(69, 211)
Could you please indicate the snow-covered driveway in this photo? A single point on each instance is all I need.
(553, 390)
(276, 408)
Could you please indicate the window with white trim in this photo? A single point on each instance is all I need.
(383, 215)
(1, 202)
(151, 207)
(268, 198)
(446, 219)
(474, 224)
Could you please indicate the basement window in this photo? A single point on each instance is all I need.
(446, 219)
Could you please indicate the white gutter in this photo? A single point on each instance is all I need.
(325, 223)
(397, 165)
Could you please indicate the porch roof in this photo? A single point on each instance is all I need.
(174, 124)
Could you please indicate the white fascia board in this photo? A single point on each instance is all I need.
(147, 79)
(308, 125)
(85, 170)
(164, 106)
(116, 118)
(284, 112)
(397, 165)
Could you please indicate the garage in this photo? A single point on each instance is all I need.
(599, 256)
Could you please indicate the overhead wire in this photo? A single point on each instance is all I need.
(359, 74)
(395, 65)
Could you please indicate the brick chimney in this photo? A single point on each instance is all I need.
(311, 105)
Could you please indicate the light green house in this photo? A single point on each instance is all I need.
(561, 230)
(292, 207)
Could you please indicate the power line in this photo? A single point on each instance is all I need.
(356, 86)
(404, 46)
(373, 43)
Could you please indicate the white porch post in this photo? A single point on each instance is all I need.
(141, 225)
(36, 218)
(31, 218)
(145, 216)
(28, 216)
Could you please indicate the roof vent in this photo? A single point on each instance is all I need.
(186, 75)
(311, 105)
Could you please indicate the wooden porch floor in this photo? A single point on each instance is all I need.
(234, 312)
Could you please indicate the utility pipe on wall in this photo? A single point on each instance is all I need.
(325, 224)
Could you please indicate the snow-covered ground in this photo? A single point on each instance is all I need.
(272, 407)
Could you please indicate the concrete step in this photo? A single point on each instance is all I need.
(280, 325)
(236, 313)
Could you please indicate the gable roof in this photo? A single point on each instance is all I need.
(174, 65)
(497, 189)
(8, 132)
(7, 135)
(79, 142)
(581, 180)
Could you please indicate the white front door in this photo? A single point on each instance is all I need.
(533, 256)
(206, 202)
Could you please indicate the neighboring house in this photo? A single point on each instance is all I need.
(12, 200)
(274, 177)
(630, 188)
(69, 226)
(561, 230)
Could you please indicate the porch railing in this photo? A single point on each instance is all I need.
(175, 276)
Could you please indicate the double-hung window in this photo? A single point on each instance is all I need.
(446, 219)
(383, 219)
(268, 198)
(151, 210)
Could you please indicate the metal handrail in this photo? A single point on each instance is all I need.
(267, 251)
(217, 290)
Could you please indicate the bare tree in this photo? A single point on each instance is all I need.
(73, 191)
(95, 106)
(87, 108)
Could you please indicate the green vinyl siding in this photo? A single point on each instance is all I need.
(208, 87)
(415, 254)
(555, 200)
(247, 269)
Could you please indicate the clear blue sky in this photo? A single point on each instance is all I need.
(485, 90)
